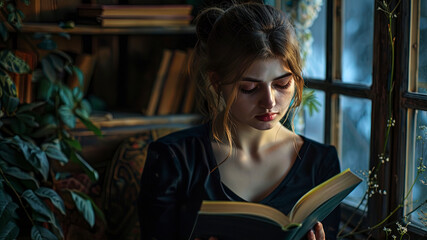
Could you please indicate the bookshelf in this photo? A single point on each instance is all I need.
(127, 63)
(34, 27)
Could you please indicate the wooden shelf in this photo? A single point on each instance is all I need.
(97, 30)
(132, 124)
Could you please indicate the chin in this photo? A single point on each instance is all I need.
(265, 125)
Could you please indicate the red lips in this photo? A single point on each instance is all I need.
(266, 117)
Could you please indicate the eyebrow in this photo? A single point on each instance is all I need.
(249, 79)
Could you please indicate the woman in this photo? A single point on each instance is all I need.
(248, 67)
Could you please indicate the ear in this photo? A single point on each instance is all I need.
(214, 80)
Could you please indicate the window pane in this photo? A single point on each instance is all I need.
(355, 138)
(416, 175)
(422, 64)
(358, 22)
(315, 65)
(310, 124)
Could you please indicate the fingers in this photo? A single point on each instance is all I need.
(317, 233)
(320, 233)
(310, 235)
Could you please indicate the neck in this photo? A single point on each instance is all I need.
(251, 140)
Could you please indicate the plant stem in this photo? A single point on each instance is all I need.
(17, 195)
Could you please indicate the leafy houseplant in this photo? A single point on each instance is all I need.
(36, 139)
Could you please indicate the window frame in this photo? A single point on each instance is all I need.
(404, 101)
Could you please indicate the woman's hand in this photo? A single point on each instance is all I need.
(317, 233)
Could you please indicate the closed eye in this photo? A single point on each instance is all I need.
(248, 91)
(283, 83)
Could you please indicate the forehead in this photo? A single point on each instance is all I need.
(266, 69)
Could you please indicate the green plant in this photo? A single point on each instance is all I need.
(36, 139)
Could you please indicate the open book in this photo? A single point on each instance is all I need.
(244, 220)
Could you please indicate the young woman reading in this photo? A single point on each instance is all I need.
(248, 69)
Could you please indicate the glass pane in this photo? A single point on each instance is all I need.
(310, 123)
(418, 175)
(315, 64)
(355, 138)
(358, 22)
(422, 58)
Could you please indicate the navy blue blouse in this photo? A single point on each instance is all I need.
(176, 178)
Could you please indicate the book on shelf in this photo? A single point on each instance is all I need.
(86, 63)
(47, 10)
(189, 89)
(228, 220)
(158, 83)
(23, 82)
(144, 21)
(96, 10)
(172, 83)
(182, 87)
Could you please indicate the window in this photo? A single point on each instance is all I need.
(349, 68)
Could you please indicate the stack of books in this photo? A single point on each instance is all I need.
(135, 15)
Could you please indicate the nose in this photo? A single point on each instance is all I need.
(267, 99)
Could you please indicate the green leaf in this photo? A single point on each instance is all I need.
(44, 89)
(33, 155)
(56, 62)
(89, 170)
(98, 211)
(55, 226)
(4, 33)
(9, 231)
(36, 203)
(12, 63)
(74, 144)
(5, 199)
(66, 96)
(18, 126)
(48, 69)
(77, 94)
(85, 208)
(43, 162)
(67, 116)
(7, 85)
(53, 197)
(9, 213)
(79, 75)
(41, 233)
(11, 103)
(27, 119)
(88, 123)
(44, 131)
(8, 154)
(17, 185)
(26, 179)
(54, 151)
(27, 107)
(26, 2)
(86, 105)
(68, 59)
(47, 44)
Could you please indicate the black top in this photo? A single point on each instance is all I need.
(176, 179)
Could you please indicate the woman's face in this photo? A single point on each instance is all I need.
(264, 94)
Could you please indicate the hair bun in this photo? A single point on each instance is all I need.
(206, 20)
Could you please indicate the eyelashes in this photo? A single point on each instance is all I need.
(283, 85)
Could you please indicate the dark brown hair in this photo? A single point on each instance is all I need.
(229, 41)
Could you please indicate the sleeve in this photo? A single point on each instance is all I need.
(158, 208)
(330, 166)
